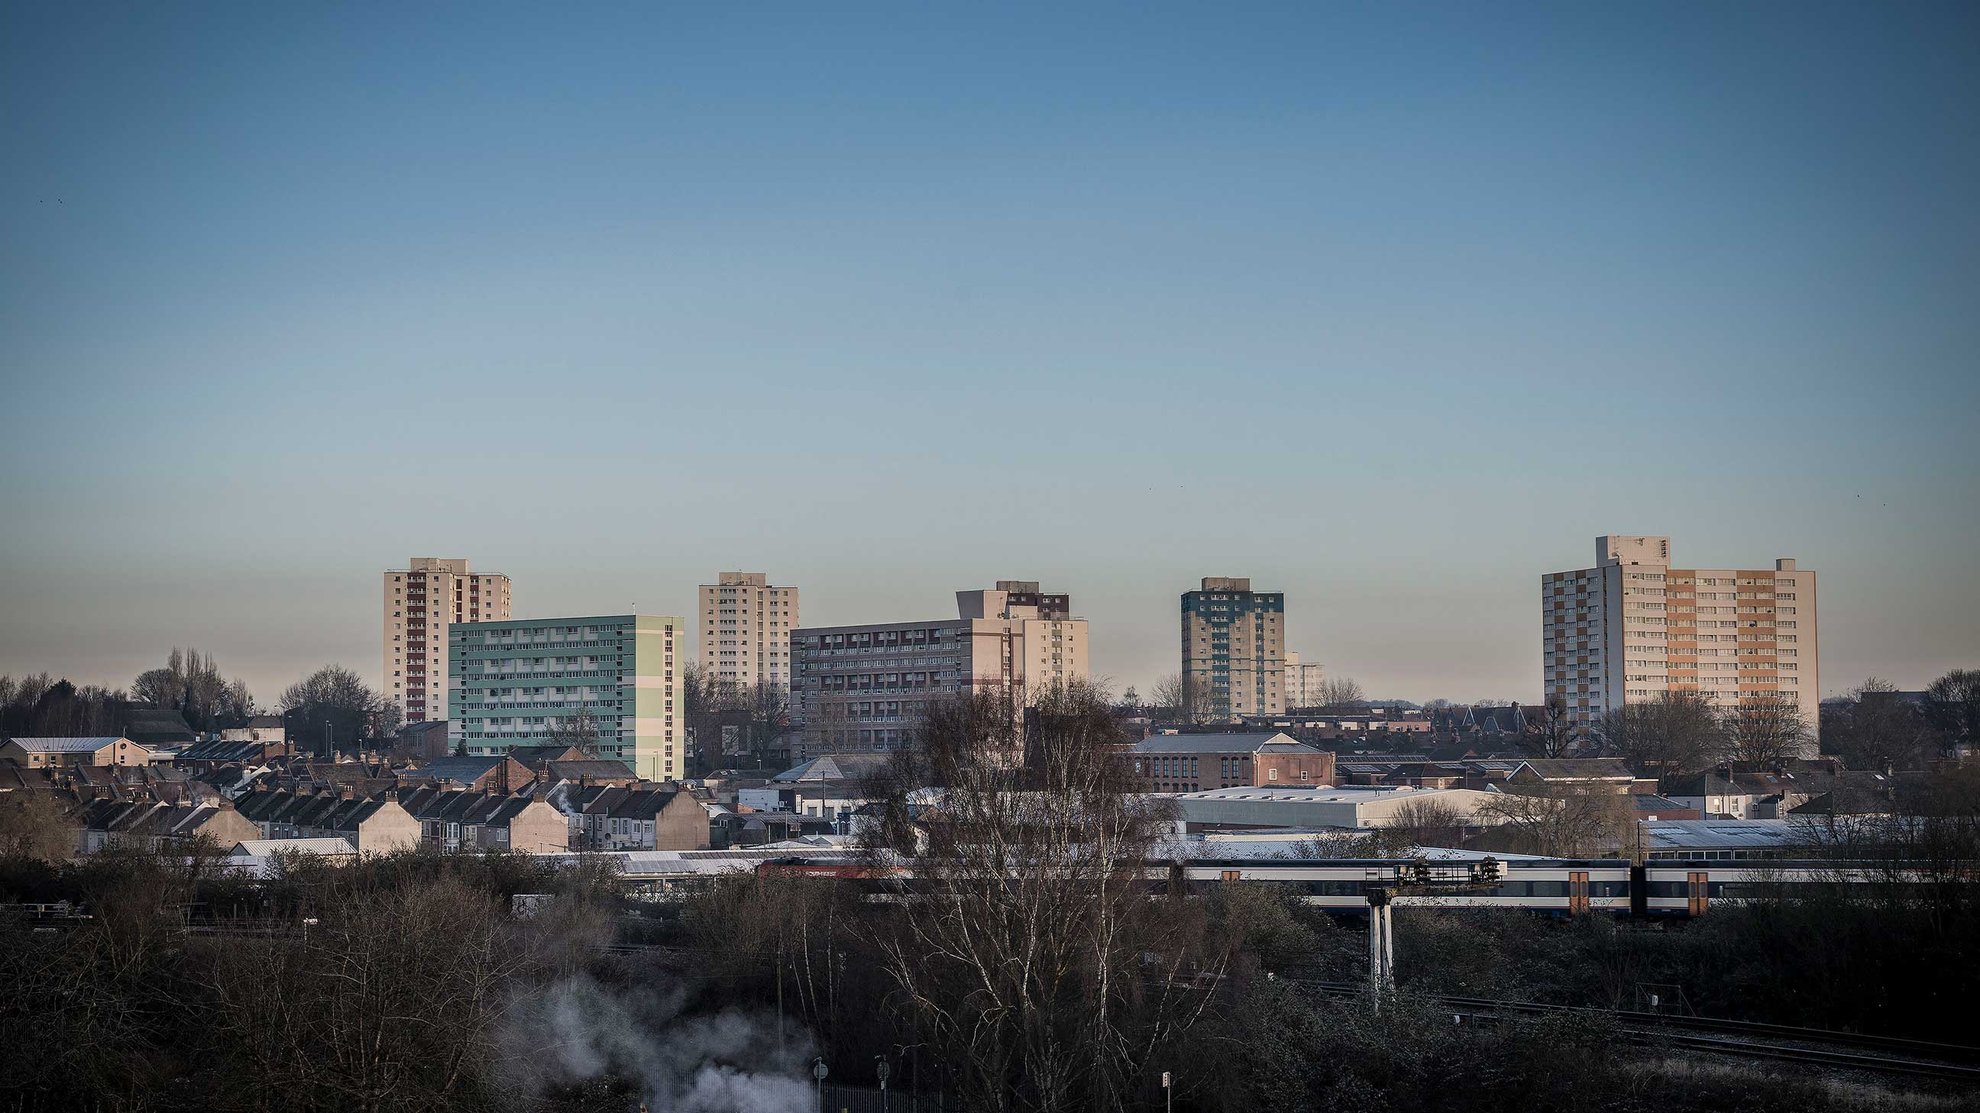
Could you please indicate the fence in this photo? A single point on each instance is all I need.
(867, 1099)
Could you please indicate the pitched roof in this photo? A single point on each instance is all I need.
(466, 770)
(1277, 741)
(534, 757)
(67, 745)
(834, 767)
(156, 724)
(226, 751)
(589, 769)
(1580, 768)
(330, 845)
(1699, 784)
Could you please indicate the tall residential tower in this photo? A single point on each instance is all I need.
(534, 682)
(746, 630)
(421, 602)
(1633, 627)
(1233, 650)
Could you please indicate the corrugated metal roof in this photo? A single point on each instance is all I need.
(262, 848)
(66, 745)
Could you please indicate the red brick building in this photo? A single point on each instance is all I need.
(1195, 762)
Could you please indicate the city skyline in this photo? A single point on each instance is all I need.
(1386, 311)
(899, 610)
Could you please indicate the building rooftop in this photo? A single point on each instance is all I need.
(87, 745)
(1579, 768)
(1212, 743)
(262, 848)
(834, 767)
(1726, 834)
(1319, 794)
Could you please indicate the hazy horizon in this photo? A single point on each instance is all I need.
(1391, 308)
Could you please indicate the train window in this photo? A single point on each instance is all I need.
(1668, 889)
(1549, 888)
(1608, 888)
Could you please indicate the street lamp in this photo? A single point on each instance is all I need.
(308, 922)
(1168, 1092)
(883, 1070)
(818, 1071)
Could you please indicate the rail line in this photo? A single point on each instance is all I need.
(1749, 1039)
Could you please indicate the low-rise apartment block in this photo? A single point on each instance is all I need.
(864, 688)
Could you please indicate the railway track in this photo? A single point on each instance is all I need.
(1745, 1039)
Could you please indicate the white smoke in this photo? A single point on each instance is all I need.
(728, 1062)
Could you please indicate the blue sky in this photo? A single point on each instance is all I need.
(1392, 307)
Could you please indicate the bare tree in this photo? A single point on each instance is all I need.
(392, 1004)
(1677, 732)
(333, 707)
(1339, 691)
(579, 731)
(1952, 705)
(1166, 699)
(1557, 822)
(1559, 733)
(1765, 728)
(34, 824)
(41, 705)
(1033, 957)
(1428, 822)
(191, 684)
(1876, 728)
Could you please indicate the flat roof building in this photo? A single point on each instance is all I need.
(514, 682)
(864, 688)
(1233, 650)
(746, 625)
(1353, 807)
(1191, 762)
(422, 602)
(1634, 627)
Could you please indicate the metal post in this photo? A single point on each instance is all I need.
(1389, 948)
(1381, 944)
(818, 1072)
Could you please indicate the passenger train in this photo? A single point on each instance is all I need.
(1552, 886)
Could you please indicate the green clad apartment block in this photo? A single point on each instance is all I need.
(511, 683)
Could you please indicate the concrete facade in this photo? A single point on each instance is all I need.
(1303, 682)
(60, 753)
(422, 603)
(1233, 650)
(1633, 627)
(513, 682)
(864, 688)
(746, 625)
